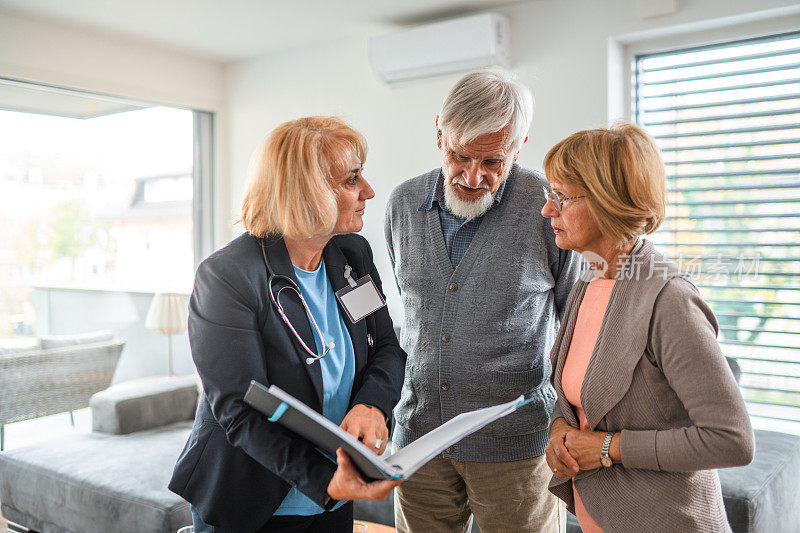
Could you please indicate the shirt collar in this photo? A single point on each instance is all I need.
(436, 194)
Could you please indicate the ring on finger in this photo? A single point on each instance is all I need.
(378, 443)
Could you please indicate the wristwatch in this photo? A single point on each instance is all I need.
(605, 459)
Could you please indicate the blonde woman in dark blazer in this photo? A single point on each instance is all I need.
(647, 406)
(261, 308)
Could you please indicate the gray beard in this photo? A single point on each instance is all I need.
(465, 208)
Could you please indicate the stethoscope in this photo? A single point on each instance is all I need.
(275, 298)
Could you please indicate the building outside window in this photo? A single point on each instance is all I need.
(96, 203)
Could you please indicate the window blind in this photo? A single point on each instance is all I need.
(727, 120)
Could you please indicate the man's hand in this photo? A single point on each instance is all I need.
(368, 425)
(347, 484)
(559, 458)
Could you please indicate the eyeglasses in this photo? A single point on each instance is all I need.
(557, 198)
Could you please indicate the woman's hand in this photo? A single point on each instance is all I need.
(585, 447)
(558, 457)
(368, 425)
(347, 483)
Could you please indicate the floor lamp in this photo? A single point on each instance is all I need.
(167, 315)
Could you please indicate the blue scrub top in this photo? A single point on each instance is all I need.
(338, 367)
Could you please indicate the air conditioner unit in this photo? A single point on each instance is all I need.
(441, 48)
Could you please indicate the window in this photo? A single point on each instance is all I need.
(727, 120)
(103, 201)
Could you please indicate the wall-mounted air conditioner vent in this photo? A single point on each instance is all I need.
(441, 48)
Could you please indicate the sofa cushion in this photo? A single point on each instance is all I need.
(98, 483)
(49, 342)
(25, 345)
(144, 403)
(763, 496)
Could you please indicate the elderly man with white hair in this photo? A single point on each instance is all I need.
(484, 286)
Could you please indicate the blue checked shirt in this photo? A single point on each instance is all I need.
(458, 232)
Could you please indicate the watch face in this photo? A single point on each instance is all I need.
(606, 461)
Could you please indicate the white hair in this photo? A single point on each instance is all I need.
(486, 101)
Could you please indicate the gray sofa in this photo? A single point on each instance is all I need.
(113, 479)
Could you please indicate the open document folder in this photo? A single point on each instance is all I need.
(290, 412)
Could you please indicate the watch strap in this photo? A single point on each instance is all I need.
(606, 446)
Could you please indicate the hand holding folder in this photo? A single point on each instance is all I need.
(348, 483)
(290, 412)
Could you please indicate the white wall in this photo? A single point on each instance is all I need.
(60, 54)
(561, 50)
(335, 79)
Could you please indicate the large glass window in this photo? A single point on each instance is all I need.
(93, 203)
(103, 202)
(727, 119)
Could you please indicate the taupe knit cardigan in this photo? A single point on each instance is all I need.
(656, 374)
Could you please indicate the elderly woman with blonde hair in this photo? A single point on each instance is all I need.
(647, 406)
(264, 308)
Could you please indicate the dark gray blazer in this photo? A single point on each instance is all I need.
(237, 467)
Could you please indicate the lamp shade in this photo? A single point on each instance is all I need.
(167, 314)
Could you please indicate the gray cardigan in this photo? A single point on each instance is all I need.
(656, 374)
(478, 334)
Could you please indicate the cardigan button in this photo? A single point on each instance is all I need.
(446, 337)
(449, 450)
(445, 386)
(453, 287)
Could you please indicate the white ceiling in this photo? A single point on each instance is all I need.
(230, 30)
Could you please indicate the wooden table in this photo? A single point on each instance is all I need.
(376, 528)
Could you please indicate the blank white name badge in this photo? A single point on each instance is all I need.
(361, 299)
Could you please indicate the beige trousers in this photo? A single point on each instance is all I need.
(503, 497)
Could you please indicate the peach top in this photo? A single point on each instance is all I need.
(587, 326)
